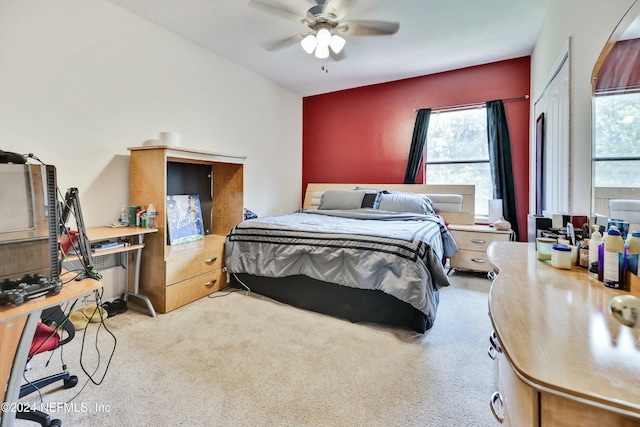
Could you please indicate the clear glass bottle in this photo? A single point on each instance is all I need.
(151, 216)
(124, 215)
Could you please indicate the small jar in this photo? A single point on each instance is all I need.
(583, 254)
(543, 246)
(561, 256)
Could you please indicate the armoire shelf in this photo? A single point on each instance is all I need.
(172, 276)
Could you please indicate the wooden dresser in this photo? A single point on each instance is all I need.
(561, 358)
(174, 275)
(473, 241)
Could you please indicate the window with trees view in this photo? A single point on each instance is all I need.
(616, 150)
(457, 153)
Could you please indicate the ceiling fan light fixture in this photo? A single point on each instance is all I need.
(323, 22)
(322, 52)
(337, 43)
(323, 37)
(309, 43)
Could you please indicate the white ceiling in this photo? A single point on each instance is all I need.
(434, 36)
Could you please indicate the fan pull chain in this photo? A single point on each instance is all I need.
(325, 66)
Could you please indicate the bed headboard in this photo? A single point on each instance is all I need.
(465, 215)
(604, 194)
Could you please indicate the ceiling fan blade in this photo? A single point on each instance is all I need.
(337, 7)
(368, 28)
(281, 44)
(276, 9)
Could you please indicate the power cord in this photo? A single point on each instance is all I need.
(98, 296)
(232, 289)
(216, 295)
(242, 283)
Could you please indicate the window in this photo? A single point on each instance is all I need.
(616, 151)
(457, 153)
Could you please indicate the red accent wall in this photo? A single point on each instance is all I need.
(363, 135)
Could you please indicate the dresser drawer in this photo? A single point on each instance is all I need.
(189, 265)
(520, 400)
(194, 288)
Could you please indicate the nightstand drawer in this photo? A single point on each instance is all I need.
(476, 241)
(471, 240)
(471, 260)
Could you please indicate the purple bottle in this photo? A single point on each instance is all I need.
(601, 261)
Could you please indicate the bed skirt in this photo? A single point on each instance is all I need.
(355, 305)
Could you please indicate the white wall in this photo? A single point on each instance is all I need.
(588, 23)
(82, 80)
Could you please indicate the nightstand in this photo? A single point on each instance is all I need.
(473, 241)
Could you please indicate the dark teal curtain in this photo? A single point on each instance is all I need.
(500, 161)
(417, 145)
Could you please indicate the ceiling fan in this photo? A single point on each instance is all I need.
(324, 20)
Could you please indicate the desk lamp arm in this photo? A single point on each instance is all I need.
(72, 202)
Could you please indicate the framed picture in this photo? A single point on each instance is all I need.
(184, 219)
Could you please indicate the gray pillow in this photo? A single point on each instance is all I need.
(342, 199)
(406, 202)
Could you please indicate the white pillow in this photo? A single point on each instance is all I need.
(406, 202)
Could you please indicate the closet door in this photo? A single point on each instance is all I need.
(554, 103)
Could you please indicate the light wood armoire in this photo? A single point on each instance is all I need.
(175, 275)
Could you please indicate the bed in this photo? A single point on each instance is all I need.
(365, 253)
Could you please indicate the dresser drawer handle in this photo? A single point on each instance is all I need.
(493, 353)
(493, 339)
(479, 241)
(496, 400)
(211, 282)
(479, 261)
(210, 260)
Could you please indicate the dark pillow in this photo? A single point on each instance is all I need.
(371, 199)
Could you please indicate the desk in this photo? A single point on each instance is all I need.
(17, 327)
(97, 234)
(563, 359)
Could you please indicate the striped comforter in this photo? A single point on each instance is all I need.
(401, 254)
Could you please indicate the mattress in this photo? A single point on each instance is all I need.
(399, 253)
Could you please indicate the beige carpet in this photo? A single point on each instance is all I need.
(244, 360)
